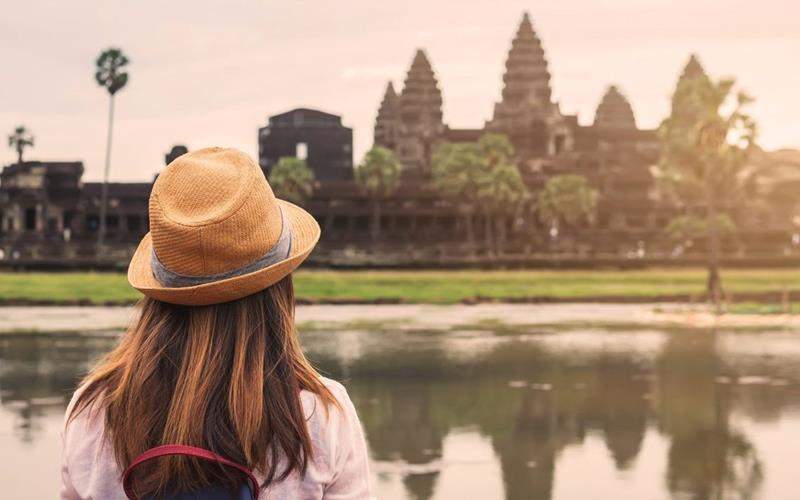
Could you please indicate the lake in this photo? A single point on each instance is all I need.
(499, 412)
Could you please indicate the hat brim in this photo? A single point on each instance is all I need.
(305, 234)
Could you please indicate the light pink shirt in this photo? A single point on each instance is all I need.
(339, 469)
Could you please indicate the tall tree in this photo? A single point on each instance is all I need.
(500, 187)
(292, 180)
(378, 175)
(19, 140)
(111, 75)
(496, 149)
(456, 171)
(566, 200)
(705, 143)
(501, 191)
(481, 177)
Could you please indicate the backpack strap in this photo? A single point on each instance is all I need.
(191, 451)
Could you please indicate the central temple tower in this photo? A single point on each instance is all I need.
(526, 113)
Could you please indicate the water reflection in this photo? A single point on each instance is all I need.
(449, 414)
(38, 374)
(533, 398)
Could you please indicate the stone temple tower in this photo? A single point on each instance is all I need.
(526, 113)
(614, 112)
(387, 122)
(419, 120)
(693, 68)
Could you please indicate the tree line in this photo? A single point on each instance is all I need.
(703, 169)
(481, 179)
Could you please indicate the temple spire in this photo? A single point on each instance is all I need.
(420, 113)
(693, 68)
(526, 81)
(614, 111)
(527, 78)
(693, 74)
(420, 82)
(525, 26)
(390, 92)
(387, 119)
(526, 112)
(421, 62)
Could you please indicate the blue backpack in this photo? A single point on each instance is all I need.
(248, 490)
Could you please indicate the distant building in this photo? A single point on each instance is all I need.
(47, 213)
(311, 135)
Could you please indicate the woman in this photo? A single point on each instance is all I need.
(213, 361)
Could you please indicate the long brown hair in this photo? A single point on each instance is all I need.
(225, 377)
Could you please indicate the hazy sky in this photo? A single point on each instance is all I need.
(209, 73)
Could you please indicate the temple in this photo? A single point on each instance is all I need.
(612, 152)
(311, 135)
(49, 215)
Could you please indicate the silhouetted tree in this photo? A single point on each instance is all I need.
(566, 200)
(378, 175)
(111, 75)
(500, 187)
(19, 140)
(705, 148)
(456, 170)
(480, 176)
(292, 180)
(502, 191)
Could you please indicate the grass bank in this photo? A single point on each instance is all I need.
(431, 286)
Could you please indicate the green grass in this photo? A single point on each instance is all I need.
(452, 286)
(66, 287)
(428, 285)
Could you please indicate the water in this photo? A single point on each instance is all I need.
(528, 413)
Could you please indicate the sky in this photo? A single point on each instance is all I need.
(210, 73)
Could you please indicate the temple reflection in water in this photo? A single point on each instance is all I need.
(535, 399)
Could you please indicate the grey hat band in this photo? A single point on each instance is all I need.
(279, 251)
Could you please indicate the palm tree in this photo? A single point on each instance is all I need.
(704, 158)
(111, 75)
(456, 169)
(566, 199)
(378, 175)
(292, 180)
(502, 191)
(19, 140)
(499, 184)
(480, 175)
(496, 149)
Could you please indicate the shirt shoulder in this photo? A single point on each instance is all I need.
(313, 402)
(88, 462)
(325, 421)
(347, 468)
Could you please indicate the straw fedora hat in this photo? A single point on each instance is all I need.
(217, 232)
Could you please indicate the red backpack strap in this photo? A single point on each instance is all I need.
(191, 451)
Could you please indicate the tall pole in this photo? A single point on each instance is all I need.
(104, 191)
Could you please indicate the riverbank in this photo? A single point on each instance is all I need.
(440, 287)
(424, 317)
